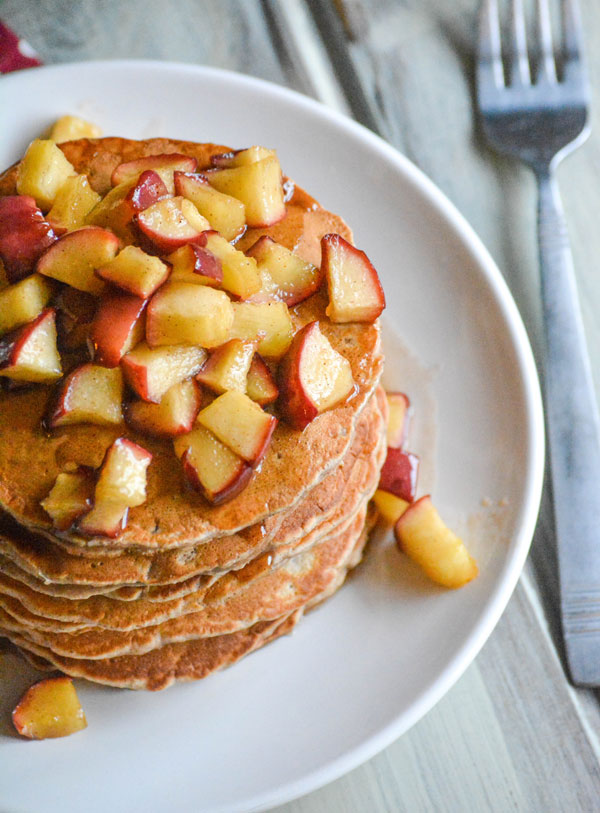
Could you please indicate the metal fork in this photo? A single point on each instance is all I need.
(539, 116)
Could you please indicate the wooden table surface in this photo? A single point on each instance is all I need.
(512, 734)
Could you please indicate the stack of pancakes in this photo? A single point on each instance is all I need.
(188, 587)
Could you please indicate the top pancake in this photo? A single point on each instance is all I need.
(172, 516)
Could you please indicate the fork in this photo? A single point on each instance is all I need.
(539, 117)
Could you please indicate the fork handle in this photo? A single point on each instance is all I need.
(573, 431)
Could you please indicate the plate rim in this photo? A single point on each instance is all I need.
(521, 540)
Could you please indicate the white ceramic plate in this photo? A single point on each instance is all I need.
(363, 668)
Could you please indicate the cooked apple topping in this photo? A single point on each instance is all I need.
(49, 708)
(166, 326)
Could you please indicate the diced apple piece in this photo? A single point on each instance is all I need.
(49, 708)
(73, 202)
(239, 158)
(240, 275)
(24, 235)
(196, 265)
(147, 190)
(312, 377)
(225, 214)
(355, 292)
(240, 424)
(284, 275)
(111, 212)
(104, 519)
(165, 164)
(180, 313)
(89, 394)
(70, 128)
(174, 415)
(423, 535)
(150, 372)
(70, 497)
(122, 476)
(258, 185)
(227, 367)
(22, 302)
(117, 327)
(170, 223)
(75, 314)
(135, 271)
(29, 353)
(398, 418)
(270, 322)
(42, 172)
(75, 256)
(210, 467)
(399, 474)
(389, 506)
(260, 384)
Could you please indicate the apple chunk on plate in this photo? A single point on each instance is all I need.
(312, 377)
(226, 214)
(170, 223)
(239, 158)
(240, 275)
(151, 371)
(389, 506)
(24, 235)
(73, 202)
(258, 185)
(284, 275)
(70, 497)
(227, 367)
(70, 128)
(240, 424)
(75, 256)
(89, 394)
(398, 418)
(180, 313)
(30, 353)
(49, 708)
(135, 271)
(399, 474)
(192, 263)
(424, 537)
(174, 415)
(355, 292)
(22, 302)
(210, 466)
(269, 322)
(117, 327)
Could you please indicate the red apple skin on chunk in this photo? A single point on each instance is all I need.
(149, 189)
(117, 327)
(169, 224)
(424, 537)
(24, 235)
(180, 313)
(192, 263)
(169, 162)
(136, 272)
(70, 497)
(312, 377)
(210, 467)
(398, 418)
(240, 424)
(89, 394)
(30, 353)
(238, 158)
(260, 384)
(49, 709)
(227, 367)
(240, 274)
(75, 256)
(151, 372)
(355, 292)
(284, 276)
(399, 474)
(174, 415)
